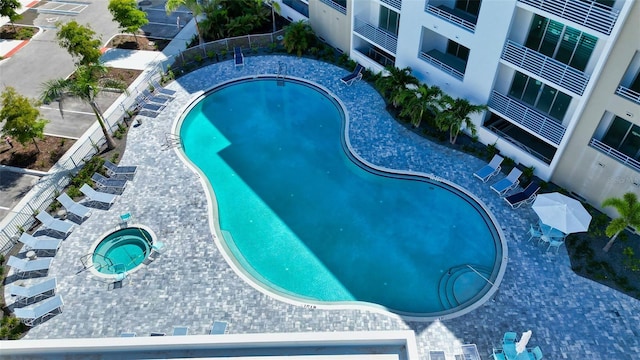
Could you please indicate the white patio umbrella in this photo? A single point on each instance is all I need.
(562, 212)
(524, 340)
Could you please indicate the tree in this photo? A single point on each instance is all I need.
(454, 113)
(629, 209)
(22, 117)
(298, 37)
(396, 81)
(85, 85)
(79, 42)
(127, 14)
(275, 9)
(193, 5)
(8, 8)
(416, 100)
(215, 19)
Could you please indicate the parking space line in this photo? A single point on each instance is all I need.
(68, 111)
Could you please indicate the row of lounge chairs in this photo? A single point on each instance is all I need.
(508, 183)
(150, 103)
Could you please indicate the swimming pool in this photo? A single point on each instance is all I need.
(305, 218)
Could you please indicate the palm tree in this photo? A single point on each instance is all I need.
(85, 85)
(275, 9)
(454, 114)
(416, 100)
(298, 37)
(193, 5)
(629, 209)
(396, 81)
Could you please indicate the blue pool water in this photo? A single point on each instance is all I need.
(304, 218)
(128, 247)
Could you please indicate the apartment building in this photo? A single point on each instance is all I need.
(560, 77)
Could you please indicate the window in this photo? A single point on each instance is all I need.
(389, 20)
(457, 50)
(563, 43)
(624, 137)
(298, 6)
(635, 85)
(470, 6)
(542, 97)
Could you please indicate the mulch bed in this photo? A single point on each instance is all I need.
(28, 156)
(140, 42)
(9, 32)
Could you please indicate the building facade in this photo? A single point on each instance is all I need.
(560, 77)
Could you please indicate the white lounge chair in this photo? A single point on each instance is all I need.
(489, 170)
(24, 267)
(120, 172)
(41, 243)
(507, 183)
(107, 185)
(161, 90)
(40, 311)
(79, 211)
(158, 99)
(33, 293)
(98, 197)
(54, 225)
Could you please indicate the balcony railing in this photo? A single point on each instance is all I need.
(441, 65)
(376, 35)
(448, 16)
(547, 68)
(396, 4)
(628, 94)
(335, 6)
(595, 16)
(608, 150)
(527, 117)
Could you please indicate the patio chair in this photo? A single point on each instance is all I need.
(24, 267)
(354, 76)
(57, 226)
(180, 330)
(526, 196)
(489, 170)
(498, 356)
(44, 244)
(97, 196)
(119, 172)
(534, 233)
(40, 311)
(555, 244)
(507, 183)
(79, 211)
(161, 90)
(219, 327)
(537, 353)
(158, 99)
(108, 185)
(26, 295)
(238, 56)
(509, 337)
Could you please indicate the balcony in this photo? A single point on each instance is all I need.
(530, 119)
(595, 16)
(396, 4)
(455, 66)
(628, 94)
(335, 6)
(611, 152)
(545, 67)
(376, 35)
(455, 17)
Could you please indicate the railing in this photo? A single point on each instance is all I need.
(335, 6)
(520, 145)
(608, 150)
(396, 4)
(628, 94)
(547, 68)
(441, 65)
(444, 14)
(527, 117)
(376, 35)
(590, 14)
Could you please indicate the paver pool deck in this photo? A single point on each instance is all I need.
(192, 285)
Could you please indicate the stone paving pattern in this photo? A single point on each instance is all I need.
(191, 283)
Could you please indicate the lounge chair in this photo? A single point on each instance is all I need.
(26, 295)
(108, 185)
(98, 197)
(128, 334)
(437, 355)
(40, 311)
(119, 172)
(51, 224)
(219, 327)
(238, 56)
(489, 170)
(180, 330)
(158, 99)
(24, 267)
(507, 183)
(354, 76)
(41, 243)
(157, 334)
(79, 211)
(161, 90)
(526, 196)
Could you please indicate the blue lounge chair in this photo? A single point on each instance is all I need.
(161, 90)
(238, 56)
(56, 226)
(103, 199)
(128, 334)
(26, 295)
(508, 183)
(354, 76)
(489, 170)
(24, 267)
(74, 209)
(526, 196)
(41, 243)
(219, 327)
(40, 311)
(437, 355)
(108, 185)
(180, 330)
(157, 99)
(119, 172)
